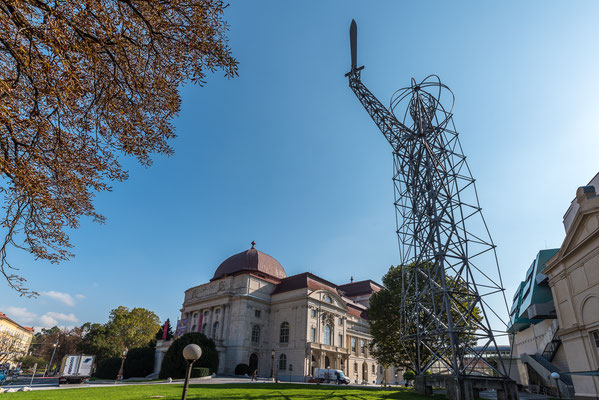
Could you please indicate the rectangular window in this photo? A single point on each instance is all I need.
(340, 340)
(312, 335)
(340, 321)
(595, 336)
(313, 313)
(353, 344)
(257, 313)
(362, 347)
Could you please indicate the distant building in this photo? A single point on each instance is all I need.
(15, 340)
(555, 311)
(251, 308)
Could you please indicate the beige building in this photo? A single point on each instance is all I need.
(14, 340)
(252, 310)
(574, 280)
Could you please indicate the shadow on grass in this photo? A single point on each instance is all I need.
(289, 391)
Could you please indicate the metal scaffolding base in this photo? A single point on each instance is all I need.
(466, 387)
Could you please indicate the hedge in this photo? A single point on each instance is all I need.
(108, 368)
(139, 363)
(173, 364)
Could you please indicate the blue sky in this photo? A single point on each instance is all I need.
(285, 155)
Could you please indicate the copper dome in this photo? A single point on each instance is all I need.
(250, 260)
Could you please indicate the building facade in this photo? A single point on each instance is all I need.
(555, 313)
(574, 280)
(283, 326)
(14, 341)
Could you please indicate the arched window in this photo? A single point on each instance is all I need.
(282, 362)
(327, 335)
(373, 369)
(255, 334)
(284, 336)
(355, 367)
(215, 330)
(327, 362)
(204, 328)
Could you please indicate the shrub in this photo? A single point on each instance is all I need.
(173, 364)
(408, 376)
(200, 372)
(242, 369)
(27, 362)
(108, 368)
(139, 363)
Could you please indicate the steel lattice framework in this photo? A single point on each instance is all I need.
(450, 268)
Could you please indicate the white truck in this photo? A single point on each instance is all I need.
(75, 368)
(330, 375)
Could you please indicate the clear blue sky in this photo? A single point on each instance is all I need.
(285, 155)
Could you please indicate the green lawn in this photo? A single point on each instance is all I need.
(226, 392)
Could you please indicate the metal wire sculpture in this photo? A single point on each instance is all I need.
(449, 264)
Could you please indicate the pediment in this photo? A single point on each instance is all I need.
(320, 295)
(585, 225)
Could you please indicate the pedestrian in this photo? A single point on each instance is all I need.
(255, 375)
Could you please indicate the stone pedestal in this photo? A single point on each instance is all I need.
(161, 348)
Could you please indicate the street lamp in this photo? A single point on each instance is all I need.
(555, 376)
(119, 376)
(191, 353)
(52, 358)
(272, 364)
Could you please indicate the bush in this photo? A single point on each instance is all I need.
(27, 362)
(242, 369)
(108, 368)
(173, 364)
(408, 376)
(200, 372)
(139, 363)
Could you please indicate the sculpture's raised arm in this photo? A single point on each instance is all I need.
(382, 117)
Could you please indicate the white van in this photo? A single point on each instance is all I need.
(330, 375)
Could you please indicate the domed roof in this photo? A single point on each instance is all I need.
(250, 260)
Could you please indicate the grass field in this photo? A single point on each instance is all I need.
(225, 392)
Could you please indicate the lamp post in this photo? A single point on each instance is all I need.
(52, 358)
(191, 353)
(272, 364)
(119, 376)
(555, 376)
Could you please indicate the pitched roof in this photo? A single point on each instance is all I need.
(361, 287)
(25, 328)
(311, 281)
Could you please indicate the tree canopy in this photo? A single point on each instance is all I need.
(133, 328)
(389, 344)
(82, 83)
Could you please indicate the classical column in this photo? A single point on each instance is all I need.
(222, 322)
(210, 322)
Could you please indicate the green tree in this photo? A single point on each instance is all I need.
(133, 328)
(97, 341)
(389, 345)
(125, 328)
